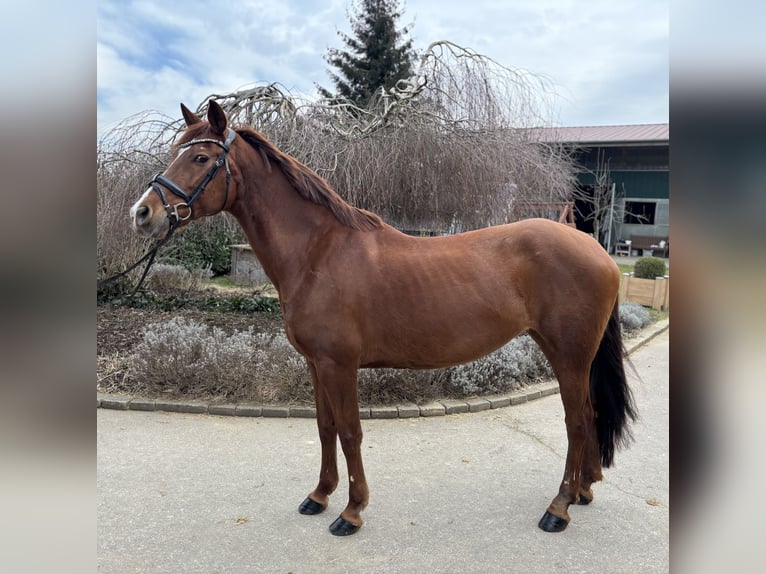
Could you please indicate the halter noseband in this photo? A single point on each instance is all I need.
(159, 181)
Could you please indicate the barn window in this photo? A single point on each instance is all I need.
(640, 212)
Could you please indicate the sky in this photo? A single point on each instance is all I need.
(607, 60)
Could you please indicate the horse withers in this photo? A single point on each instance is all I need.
(357, 293)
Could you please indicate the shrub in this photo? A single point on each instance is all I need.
(517, 363)
(650, 268)
(205, 245)
(166, 278)
(184, 357)
(633, 317)
(172, 301)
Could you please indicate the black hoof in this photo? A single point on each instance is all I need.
(342, 527)
(552, 523)
(583, 500)
(310, 507)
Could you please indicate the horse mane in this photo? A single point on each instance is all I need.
(310, 185)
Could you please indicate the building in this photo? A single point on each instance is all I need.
(635, 159)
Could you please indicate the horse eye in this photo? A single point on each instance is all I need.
(200, 159)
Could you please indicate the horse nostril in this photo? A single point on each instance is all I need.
(142, 214)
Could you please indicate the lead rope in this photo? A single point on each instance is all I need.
(151, 254)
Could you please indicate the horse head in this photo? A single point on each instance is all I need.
(198, 181)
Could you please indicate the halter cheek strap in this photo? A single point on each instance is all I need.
(159, 181)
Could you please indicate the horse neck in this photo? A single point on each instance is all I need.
(282, 228)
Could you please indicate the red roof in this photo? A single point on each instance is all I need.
(629, 134)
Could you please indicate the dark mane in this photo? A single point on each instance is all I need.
(309, 184)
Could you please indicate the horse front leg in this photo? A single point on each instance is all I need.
(340, 384)
(319, 498)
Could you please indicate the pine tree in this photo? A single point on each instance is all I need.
(378, 54)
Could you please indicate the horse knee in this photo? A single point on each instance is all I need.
(327, 431)
(351, 440)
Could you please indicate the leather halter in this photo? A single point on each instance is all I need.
(159, 181)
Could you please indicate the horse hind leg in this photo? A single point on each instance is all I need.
(572, 372)
(591, 466)
(612, 399)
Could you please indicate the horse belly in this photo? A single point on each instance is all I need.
(436, 338)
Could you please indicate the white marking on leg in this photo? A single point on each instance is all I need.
(351, 478)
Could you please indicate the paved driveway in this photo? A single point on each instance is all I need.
(461, 493)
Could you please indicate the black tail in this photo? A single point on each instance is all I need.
(609, 391)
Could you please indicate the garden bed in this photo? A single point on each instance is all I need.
(228, 356)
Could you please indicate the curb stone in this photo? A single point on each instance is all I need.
(224, 409)
(408, 411)
(275, 411)
(303, 412)
(384, 412)
(454, 406)
(436, 408)
(433, 409)
(247, 410)
(477, 405)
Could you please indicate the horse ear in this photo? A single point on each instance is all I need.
(190, 117)
(216, 117)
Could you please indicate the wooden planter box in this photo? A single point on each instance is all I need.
(654, 293)
(245, 267)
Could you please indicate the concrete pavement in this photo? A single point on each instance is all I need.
(461, 493)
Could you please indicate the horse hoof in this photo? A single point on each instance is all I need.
(310, 507)
(342, 527)
(583, 500)
(551, 523)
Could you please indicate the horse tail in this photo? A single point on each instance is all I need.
(611, 397)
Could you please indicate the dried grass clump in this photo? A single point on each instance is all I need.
(165, 278)
(110, 372)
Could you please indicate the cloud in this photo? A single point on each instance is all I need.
(608, 60)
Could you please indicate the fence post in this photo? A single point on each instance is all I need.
(660, 292)
(624, 287)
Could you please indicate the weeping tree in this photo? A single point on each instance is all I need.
(450, 147)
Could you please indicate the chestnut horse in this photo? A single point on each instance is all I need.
(357, 293)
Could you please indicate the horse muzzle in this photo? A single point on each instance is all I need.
(148, 222)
